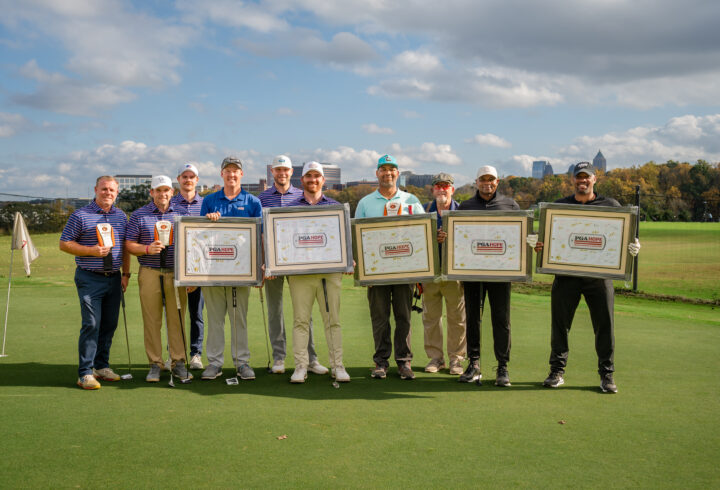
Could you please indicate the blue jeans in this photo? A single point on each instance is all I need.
(197, 326)
(99, 308)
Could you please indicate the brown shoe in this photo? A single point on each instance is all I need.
(405, 371)
(435, 365)
(456, 366)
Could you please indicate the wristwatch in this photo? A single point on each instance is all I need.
(126, 274)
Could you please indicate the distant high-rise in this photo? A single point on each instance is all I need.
(599, 162)
(571, 169)
(538, 168)
(418, 180)
(548, 170)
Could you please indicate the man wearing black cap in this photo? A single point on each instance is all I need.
(433, 293)
(599, 296)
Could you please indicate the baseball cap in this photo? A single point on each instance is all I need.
(313, 166)
(387, 160)
(231, 161)
(190, 167)
(443, 177)
(160, 181)
(487, 170)
(281, 161)
(583, 167)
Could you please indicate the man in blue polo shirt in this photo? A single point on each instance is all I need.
(191, 202)
(95, 235)
(282, 193)
(149, 236)
(325, 288)
(231, 200)
(388, 200)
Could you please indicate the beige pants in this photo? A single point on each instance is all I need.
(433, 294)
(304, 290)
(152, 313)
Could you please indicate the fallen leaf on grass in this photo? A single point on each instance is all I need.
(280, 438)
(561, 422)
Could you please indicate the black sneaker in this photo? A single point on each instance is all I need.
(554, 379)
(472, 373)
(607, 383)
(502, 378)
(405, 371)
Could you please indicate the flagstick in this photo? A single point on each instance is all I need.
(7, 306)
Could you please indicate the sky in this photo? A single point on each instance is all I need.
(97, 87)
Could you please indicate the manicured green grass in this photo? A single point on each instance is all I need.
(660, 430)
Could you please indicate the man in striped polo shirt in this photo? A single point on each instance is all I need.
(306, 288)
(281, 194)
(191, 202)
(231, 200)
(149, 237)
(95, 235)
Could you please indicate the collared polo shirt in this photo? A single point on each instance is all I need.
(373, 205)
(141, 229)
(432, 206)
(191, 208)
(81, 227)
(244, 205)
(273, 198)
(324, 201)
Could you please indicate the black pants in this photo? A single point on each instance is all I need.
(381, 298)
(499, 295)
(197, 326)
(600, 298)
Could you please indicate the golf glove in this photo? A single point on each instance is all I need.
(532, 240)
(634, 248)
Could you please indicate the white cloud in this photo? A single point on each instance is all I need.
(285, 111)
(373, 128)
(232, 13)
(10, 123)
(489, 139)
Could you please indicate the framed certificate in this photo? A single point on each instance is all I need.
(590, 241)
(217, 253)
(487, 246)
(396, 249)
(307, 240)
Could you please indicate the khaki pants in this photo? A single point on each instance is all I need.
(433, 294)
(304, 290)
(152, 313)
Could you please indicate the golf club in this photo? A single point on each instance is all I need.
(127, 340)
(187, 378)
(335, 384)
(482, 309)
(267, 335)
(234, 381)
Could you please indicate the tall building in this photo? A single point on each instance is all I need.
(548, 170)
(571, 169)
(599, 162)
(538, 168)
(418, 180)
(127, 181)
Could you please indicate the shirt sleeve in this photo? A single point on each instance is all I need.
(360, 210)
(132, 232)
(71, 232)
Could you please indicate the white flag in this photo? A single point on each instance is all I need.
(21, 241)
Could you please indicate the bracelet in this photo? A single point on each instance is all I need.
(147, 249)
(126, 274)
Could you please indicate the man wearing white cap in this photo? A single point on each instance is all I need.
(190, 201)
(281, 194)
(325, 288)
(231, 200)
(149, 237)
(388, 200)
(487, 198)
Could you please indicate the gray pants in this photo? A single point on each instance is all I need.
(276, 320)
(381, 299)
(219, 302)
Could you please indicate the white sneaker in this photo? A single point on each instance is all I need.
(196, 362)
(340, 375)
(166, 366)
(299, 375)
(317, 368)
(278, 367)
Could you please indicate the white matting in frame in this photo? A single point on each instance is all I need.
(217, 253)
(396, 249)
(590, 241)
(487, 246)
(307, 240)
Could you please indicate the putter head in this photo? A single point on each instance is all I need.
(126, 376)
(336, 385)
(232, 381)
(186, 381)
(478, 382)
(416, 308)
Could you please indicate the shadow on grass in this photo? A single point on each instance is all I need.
(316, 387)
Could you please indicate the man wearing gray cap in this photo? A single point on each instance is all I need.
(281, 194)
(487, 198)
(599, 296)
(433, 293)
(190, 201)
(231, 200)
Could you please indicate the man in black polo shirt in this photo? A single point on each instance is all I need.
(599, 296)
(487, 198)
